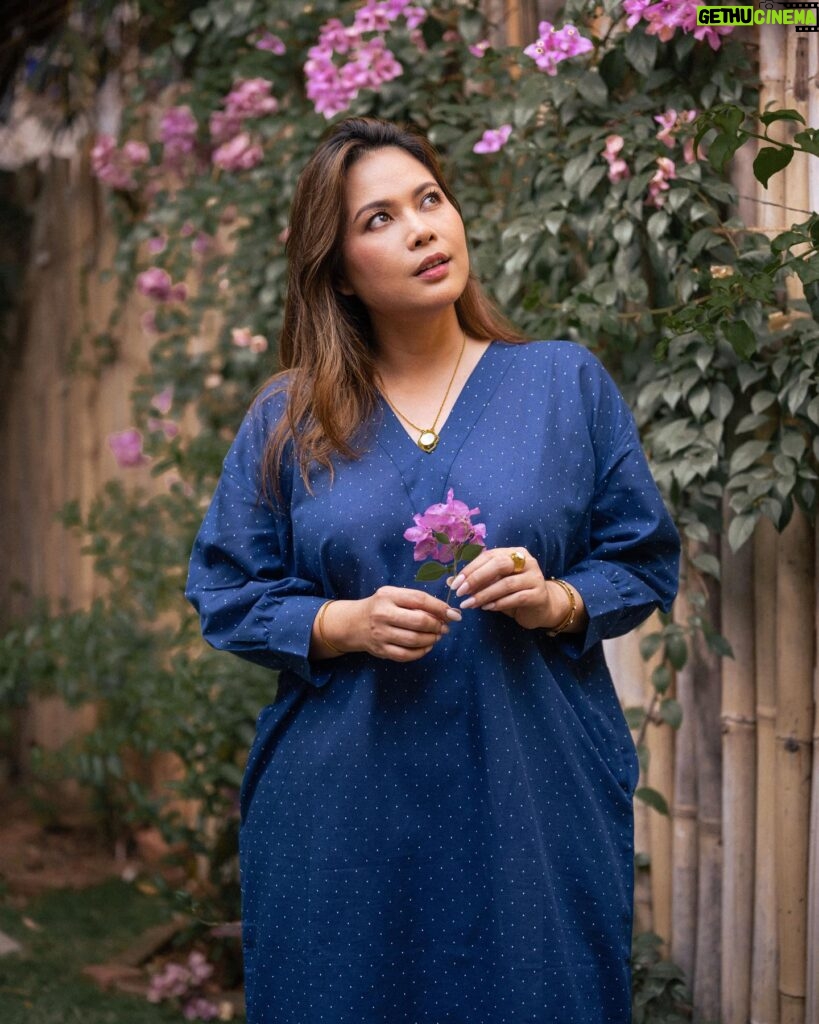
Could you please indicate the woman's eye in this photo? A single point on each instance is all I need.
(432, 198)
(378, 219)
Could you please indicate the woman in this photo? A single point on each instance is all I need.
(437, 808)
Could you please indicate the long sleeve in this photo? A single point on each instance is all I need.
(631, 564)
(242, 578)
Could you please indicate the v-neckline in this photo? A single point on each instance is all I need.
(391, 412)
(425, 474)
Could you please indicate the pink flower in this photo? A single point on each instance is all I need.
(155, 283)
(667, 122)
(416, 16)
(163, 400)
(177, 130)
(136, 153)
(250, 97)
(493, 139)
(157, 244)
(553, 46)
(239, 154)
(271, 43)
(666, 16)
(168, 427)
(127, 448)
(114, 166)
(200, 1008)
(618, 168)
(479, 49)
(658, 186)
(240, 336)
(452, 519)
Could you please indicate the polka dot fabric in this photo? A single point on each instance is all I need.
(448, 841)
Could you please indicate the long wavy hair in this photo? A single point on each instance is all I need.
(327, 348)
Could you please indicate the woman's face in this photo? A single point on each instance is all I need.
(404, 249)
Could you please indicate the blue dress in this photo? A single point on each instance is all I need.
(448, 841)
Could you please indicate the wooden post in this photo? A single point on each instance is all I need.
(812, 972)
(738, 780)
(795, 596)
(684, 815)
(765, 970)
(707, 672)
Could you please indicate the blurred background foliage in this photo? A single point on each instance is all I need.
(591, 217)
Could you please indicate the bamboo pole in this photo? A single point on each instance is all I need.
(765, 970)
(812, 960)
(684, 815)
(738, 781)
(708, 675)
(812, 972)
(629, 674)
(660, 743)
(794, 724)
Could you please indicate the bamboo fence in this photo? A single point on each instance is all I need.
(733, 882)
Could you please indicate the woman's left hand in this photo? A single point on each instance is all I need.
(497, 581)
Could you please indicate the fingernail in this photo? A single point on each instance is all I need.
(457, 581)
(463, 589)
(468, 603)
(444, 629)
(490, 607)
(453, 615)
(449, 581)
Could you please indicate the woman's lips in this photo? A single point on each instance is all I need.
(433, 268)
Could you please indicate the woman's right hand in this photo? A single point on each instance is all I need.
(394, 623)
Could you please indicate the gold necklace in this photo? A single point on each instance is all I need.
(428, 438)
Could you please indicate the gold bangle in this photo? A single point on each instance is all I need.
(569, 617)
(320, 627)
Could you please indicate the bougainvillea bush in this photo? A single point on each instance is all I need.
(592, 215)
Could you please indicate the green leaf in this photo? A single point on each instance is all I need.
(623, 232)
(431, 571)
(741, 337)
(469, 551)
(671, 712)
(593, 89)
(676, 650)
(719, 645)
(762, 400)
(661, 678)
(793, 444)
(781, 115)
(770, 160)
(635, 716)
(746, 455)
(653, 798)
(808, 140)
(442, 538)
(707, 563)
(641, 51)
(740, 529)
(649, 645)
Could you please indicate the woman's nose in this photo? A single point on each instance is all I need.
(421, 235)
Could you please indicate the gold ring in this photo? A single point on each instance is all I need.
(518, 560)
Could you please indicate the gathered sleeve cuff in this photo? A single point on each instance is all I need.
(242, 578)
(631, 565)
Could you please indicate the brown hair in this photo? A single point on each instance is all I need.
(326, 346)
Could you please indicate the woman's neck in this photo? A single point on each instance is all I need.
(418, 348)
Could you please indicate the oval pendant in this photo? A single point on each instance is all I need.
(428, 441)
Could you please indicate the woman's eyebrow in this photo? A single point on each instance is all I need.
(379, 204)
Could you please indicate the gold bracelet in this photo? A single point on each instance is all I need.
(320, 627)
(569, 617)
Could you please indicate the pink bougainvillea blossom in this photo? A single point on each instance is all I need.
(671, 124)
(114, 166)
(200, 1008)
(366, 60)
(163, 400)
(554, 45)
(271, 43)
(127, 448)
(618, 168)
(665, 17)
(156, 283)
(177, 132)
(249, 98)
(493, 139)
(452, 519)
(479, 49)
(240, 153)
(243, 338)
(659, 184)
